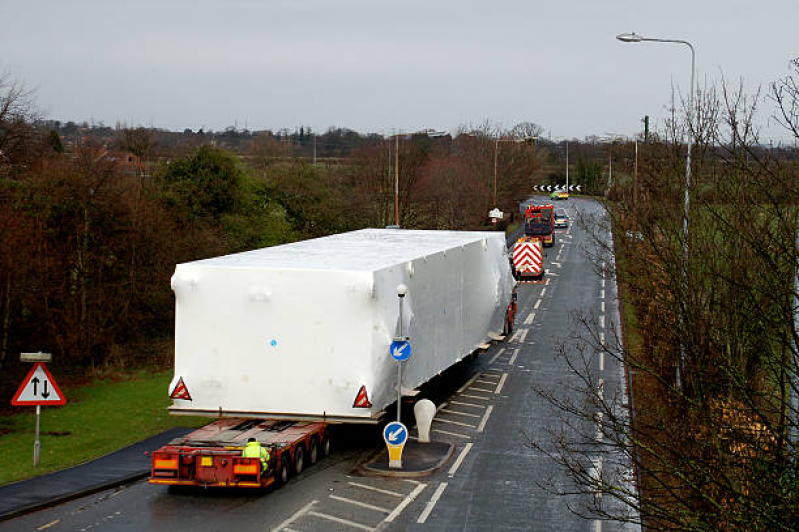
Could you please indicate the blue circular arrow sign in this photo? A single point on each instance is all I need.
(395, 434)
(400, 350)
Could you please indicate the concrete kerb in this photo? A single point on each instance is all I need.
(418, 460)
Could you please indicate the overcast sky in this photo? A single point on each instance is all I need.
(379, 66)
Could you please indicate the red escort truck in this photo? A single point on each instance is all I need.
(539, 222)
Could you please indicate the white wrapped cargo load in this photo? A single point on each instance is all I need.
(302, 330)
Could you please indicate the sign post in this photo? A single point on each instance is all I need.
(39, 388)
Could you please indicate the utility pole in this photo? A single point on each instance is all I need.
(314, 149)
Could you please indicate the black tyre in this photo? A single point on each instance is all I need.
(326, 445)
(299, 460)
(313, 451)
(282, 471)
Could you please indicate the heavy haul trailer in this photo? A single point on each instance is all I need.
(539, 222)
(212, 456)
(301, 333)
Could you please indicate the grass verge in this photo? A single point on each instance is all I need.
(99, 418)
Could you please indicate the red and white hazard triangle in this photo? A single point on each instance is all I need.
(39, 388)
(180, 391)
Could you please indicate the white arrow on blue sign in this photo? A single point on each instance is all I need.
(395, 433)
(400, 350)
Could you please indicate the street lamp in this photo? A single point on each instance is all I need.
(634, 37)
(496, 156)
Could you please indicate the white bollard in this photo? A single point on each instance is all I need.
(425, 411)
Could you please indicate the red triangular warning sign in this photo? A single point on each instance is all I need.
(362, 400)
(180, 391)
(39, 388)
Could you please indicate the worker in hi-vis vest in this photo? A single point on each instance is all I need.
(255, 450)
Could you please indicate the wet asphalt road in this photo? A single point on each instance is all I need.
(495, 480)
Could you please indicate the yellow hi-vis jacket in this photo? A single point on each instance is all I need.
(255, 450)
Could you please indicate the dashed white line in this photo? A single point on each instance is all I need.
(378, 490)
(602, 306)
(523, 336)
(341, 521)
(359, 503)
(543, 291)
(602, 339)
(601, 361)
(501, 383)
(537, 304)
(299, 513)
(602, 321)
(599, 434)
(603, 283)
(529, 319)
(459, 460)
(601, 389)
(513, 358)
(409, 499)
(602, 294)
(483, 422)
(432, 503)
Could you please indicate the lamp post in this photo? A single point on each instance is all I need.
(634, 37)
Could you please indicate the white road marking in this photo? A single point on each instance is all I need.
(483, 381)
(432, 503)
(602, 294)
(543, 291)
(497, 355)
(468, 383)
(602, 339)
(601, 361)
(537, 304)
(359, 503)
(483, 422)
(558, 264)
(513, 358)
(602, 321)
(299, 513)
(483, 398)
(523, 336)
(441, 406)
(341, 521)
(439, 431)
(602, 306)
(603, 282)
(501, 383)
(476, 389)
(601, 389)
(450, 422)
(409, 499)
(529, 319)
(599, 435)
(448, 411)
(467, 404)
(597, 525)
(378, 490)
(459, 461)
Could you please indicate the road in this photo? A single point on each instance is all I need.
(496, 478)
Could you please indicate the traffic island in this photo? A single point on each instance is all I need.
(418, 460)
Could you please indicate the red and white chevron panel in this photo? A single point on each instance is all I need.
(528, 258)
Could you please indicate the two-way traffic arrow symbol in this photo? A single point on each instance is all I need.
(35, 382)
(393, 436)
(45, 393)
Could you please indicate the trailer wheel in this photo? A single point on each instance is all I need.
(326, 444)
(299, 460)
(282, 473)
(313, 451)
